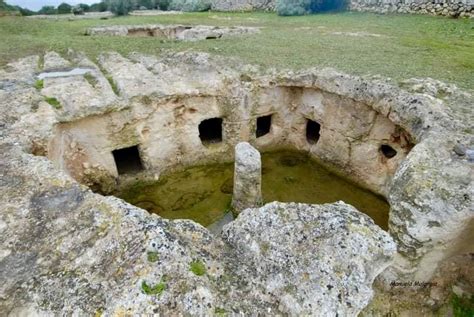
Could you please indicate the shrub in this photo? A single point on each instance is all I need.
(98, 7)
(163, 4)
(84, 7)
(144, 4)
(190, 5)
(64, 8)
(120, 7)
(47, 10)
(77, 10)
(301, 7)
(26, 12)
(293, 7)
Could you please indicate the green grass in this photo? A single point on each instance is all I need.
(197, 267)
(409, 45)
(156, 289)
(462, 306)
(113, 85)
(152, 256)
(39, 84)
(53, 102)
(91, 79)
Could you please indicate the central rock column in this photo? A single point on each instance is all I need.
(247, 178)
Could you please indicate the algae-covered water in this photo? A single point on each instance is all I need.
(204, 193)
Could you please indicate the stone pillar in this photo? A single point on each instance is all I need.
(247, 178)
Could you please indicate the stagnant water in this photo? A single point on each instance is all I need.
(204, 193)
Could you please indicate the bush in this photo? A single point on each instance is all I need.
(190, 5)
(49, 10)
(98, 7)
(78, 10)
(120, 7)
(84, 7)
(163, 4)
(64, 8)
(293, 7)
(26, 12)
(301, 7)
(144, 4)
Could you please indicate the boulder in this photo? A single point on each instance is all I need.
(317, 260)
(247, 191)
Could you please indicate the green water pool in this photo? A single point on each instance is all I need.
(204, 193)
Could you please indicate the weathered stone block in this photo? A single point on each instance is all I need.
(247, 178)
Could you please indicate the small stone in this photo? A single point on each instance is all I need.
(470, 155)
(459, 150)
(458, 291)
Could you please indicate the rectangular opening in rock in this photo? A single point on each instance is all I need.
(263, 125)
(127, 160)
(210, 130)
(388, 151)
(312, 131)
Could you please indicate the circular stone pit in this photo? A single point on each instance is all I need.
(58, 232)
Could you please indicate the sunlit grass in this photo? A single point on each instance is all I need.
(398, 46)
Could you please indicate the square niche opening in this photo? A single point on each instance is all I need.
(312, 131)
(210, 131)
(264, 125)
(388, 151)
(128, 160)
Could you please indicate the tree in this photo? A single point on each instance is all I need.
(84, 7)
(144, 3)
(162, 4)
(120, 7)
(98, 7)
(26, 12)
(78, 10)
(64, 8)
(47, 10)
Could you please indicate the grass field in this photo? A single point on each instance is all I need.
(397, 46)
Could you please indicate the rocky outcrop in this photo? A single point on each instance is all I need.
(69, 250)
(71, 17)
(243, 5)
(247, 192)
(292, 248)
(173, 32)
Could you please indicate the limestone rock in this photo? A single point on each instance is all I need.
(173, 32)
(297, 249)
(54, 61)
(247, 178)
(66, 250)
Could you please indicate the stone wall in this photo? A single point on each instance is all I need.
(243, 5)
(451, 8)
(165, 128)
